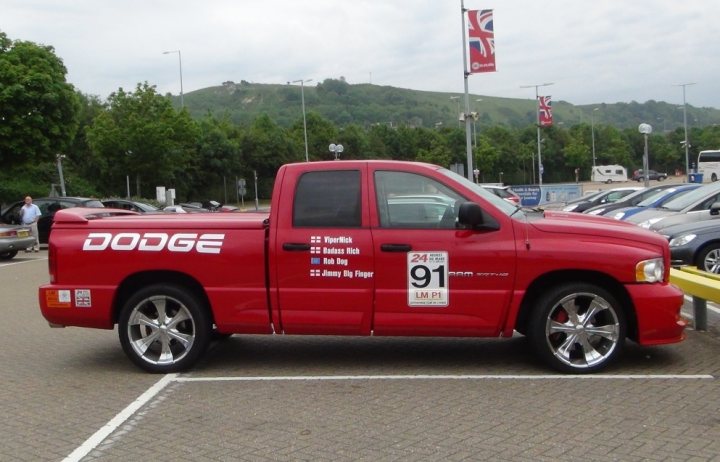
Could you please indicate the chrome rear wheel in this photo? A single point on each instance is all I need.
(164, 329)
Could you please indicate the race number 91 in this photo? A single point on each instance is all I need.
(427, 278)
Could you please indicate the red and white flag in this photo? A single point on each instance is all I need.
(481, 37)
(545, 111)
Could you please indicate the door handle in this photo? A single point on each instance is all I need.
(296, 246)
(395, 247)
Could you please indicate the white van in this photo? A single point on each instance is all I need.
(608, 173)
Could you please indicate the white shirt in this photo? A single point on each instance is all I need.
(29, 213)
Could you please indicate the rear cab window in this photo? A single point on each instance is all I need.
(329, 198)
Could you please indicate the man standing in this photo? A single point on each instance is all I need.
(29, 215)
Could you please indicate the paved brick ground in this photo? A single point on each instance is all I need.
(58, 387)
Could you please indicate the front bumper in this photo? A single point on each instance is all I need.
(657, 308)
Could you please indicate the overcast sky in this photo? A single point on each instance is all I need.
(593, 51)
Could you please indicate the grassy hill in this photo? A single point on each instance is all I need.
(366, 104)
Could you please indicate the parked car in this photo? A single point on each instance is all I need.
(413, 210)
(185, 208)
(48, 206)
(658, 199)
(638, 175)
(696, 244)
(13, 239)
(135, 206)
(630, 200)
(693, 206)
(503, 192)
(601, 197)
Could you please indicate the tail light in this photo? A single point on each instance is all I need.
(52, 263)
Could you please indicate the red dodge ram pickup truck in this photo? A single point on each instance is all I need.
(380, 248)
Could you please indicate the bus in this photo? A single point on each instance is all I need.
(709, 165)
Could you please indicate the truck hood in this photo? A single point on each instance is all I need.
(590, 225)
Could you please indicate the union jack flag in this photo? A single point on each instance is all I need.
(481, 37)
(545, 111)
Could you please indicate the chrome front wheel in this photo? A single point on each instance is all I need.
(578, 328)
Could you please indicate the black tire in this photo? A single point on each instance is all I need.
(9, 255)
(164, 328)
(709, 258)
(577, 328)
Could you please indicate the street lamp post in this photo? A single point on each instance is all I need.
(474, 125)
(537, 111)
(59, 158)
(302, 98)
(645, 129)
(182, 102)
(457, 100)
(687, 145)
(592, 125)
(128, 153)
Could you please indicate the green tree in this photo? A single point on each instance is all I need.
(437, 153)
(576, 155)
(218, 162)
(486, 158)
(265, 147)
(38, 116)
(141, 135)
(320, 132)
(355, 142)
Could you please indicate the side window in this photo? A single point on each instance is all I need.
(47, 207)
(328, 199)
(407, 200)
(707, 203)
(13, 215)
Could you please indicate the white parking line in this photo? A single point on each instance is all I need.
(99, 436)
(446, 377)
(13, 263)
(92, 442)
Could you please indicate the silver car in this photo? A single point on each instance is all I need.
(690, 207)
(13, 239)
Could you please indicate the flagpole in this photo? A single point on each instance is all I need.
(539, 141)
(466, 118)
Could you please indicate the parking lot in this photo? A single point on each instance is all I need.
(70, 394)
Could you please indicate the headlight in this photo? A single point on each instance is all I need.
(619, 215)
(648, 223)
(596, 212)
(650, 270)
(682, 240)
(569, 208)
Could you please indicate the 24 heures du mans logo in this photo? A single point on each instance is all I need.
(155, 242)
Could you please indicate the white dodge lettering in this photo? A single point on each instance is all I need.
(155, 242)
(130, 241)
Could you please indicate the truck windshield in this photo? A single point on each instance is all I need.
(506, 207)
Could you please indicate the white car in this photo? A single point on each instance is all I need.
(503, 192)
